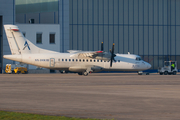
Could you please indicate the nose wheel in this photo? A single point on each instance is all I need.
(141, 73)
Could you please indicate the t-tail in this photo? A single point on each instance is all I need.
(19, 44)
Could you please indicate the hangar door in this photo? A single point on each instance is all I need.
(1, 44)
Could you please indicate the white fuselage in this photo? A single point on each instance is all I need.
(66, 61)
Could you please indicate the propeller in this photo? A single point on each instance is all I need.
(112, 55)
(102, 48)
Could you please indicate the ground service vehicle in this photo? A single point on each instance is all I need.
(22, 70)
(16, 68)
(168, 68)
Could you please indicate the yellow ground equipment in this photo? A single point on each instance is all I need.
(16, 68)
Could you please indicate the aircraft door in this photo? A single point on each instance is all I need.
(52, 62)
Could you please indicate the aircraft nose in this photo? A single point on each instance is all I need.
(148, 65)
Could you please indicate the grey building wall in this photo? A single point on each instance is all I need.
(46, 12)
(64, 23)
(7, 16)
(149, 28)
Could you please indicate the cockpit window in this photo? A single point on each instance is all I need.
(138, 58)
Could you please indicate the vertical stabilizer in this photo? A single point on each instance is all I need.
(15, 50)
(17, 41)
(19, 44)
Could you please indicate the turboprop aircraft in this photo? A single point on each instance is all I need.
(82, 62)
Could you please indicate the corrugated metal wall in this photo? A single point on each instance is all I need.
(149, 28)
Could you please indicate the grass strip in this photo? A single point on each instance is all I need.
(26, 116)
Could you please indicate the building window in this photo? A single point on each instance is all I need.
(39, 38)
(52, 38)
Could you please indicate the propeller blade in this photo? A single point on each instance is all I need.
(113, 49)
(112, 55)
(111, 63)
(102, 48)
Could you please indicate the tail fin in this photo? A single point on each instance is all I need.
(19, 44)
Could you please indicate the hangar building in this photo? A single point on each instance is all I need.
(149, 28)
(7, 16)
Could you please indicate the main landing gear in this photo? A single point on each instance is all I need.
(83, 73)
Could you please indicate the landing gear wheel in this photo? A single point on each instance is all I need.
(85, 73)
(161, 73)
(80, 73)
(174, 72)
(165, 73)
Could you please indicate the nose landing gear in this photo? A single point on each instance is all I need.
(141, 73)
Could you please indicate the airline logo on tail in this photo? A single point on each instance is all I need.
(26, 45)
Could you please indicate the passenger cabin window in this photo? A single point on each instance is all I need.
(90, 60)
(62, 59)
(69, 59)
(73, 60)
(58, 59)
(87, 60)
(79, 60)
(97, 60)
(65, 59)
(76, 60)
(118, 60)
(83, 60)
(94, 60)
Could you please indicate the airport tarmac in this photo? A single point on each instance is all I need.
(124, 96)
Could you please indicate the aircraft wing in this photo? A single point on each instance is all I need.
(91, 54)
